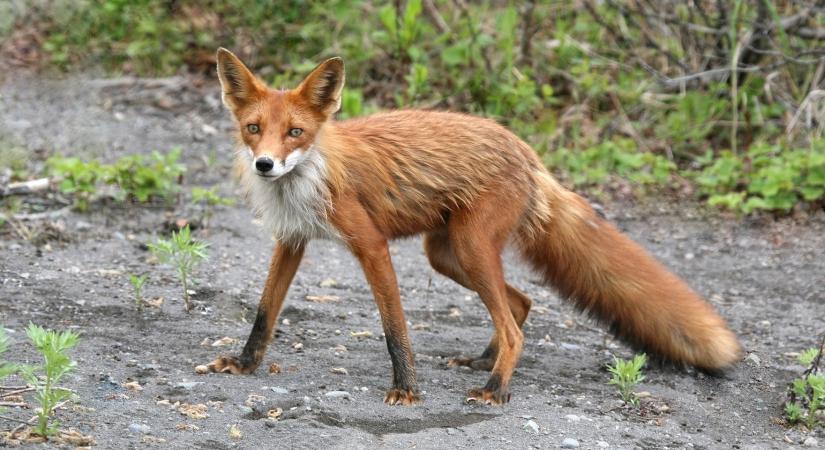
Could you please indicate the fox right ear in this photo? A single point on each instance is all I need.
(238, 83)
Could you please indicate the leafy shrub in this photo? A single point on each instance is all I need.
(595, 165)
(138, 178)
(767, 177)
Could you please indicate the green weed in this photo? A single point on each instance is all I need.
(208, 199)
(184, 253)
(807, 394)
(137, 286)
(54, 347)
(627, 375)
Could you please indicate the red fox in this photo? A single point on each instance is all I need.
(471, 187)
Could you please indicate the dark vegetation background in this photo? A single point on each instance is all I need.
(721, 99)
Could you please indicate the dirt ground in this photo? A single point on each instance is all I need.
(765, 277)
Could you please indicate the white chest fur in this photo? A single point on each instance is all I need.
(294, 206)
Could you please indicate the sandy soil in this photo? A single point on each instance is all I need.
(765, 277)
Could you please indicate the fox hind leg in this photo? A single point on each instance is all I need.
(443, 260)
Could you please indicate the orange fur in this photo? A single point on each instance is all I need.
(472, 187)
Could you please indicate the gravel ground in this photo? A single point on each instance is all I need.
(765, 277)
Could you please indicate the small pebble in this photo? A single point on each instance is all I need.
(279, 390)
(139, 428)
(337, 394)
(810, 442)
(569, 443)
(532, 426)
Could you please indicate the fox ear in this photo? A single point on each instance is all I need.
(238, 83)
(322, 88)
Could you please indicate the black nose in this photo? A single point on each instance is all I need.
(264, 164)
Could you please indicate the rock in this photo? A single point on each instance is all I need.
(329, 283)
(572, 418)
(752, 358)
(569, 443)
(339, 371)
(279, 390)
(202, 369)
(337, 394)
(188, 385)
(568, 346)
(532, 426)
(810, 442)
(602, 444)
(139, 428)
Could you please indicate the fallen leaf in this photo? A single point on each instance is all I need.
(274, 368)
(274, 413)
(235, 432)
(153, 440)
(201, 369)
(366, 333)
(328, 283)
(421, 326)
(254, 399)
(339, 371)
(187, 427)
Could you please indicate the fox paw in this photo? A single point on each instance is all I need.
(473, 363)
(226, 364)
(405, 397)
(488, 397)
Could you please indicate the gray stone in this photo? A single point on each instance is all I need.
(569, 443)
(337, 394)
(139, 428)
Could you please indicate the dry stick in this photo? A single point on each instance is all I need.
(17, 391)
(14, 404)
(435, 17)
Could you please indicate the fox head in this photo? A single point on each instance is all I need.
(279, 127)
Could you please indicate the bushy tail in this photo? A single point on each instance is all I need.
(616, 281)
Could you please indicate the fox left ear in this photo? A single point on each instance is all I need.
(322, 88)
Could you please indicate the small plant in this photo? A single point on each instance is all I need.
(182, 252)
(77, 177)
(137, 284)
(144, 179)
(209, 198)
(807, 394)
(54, 347)
(6, 368)
(626, 375)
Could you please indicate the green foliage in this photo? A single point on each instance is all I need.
(208, 199)
(184, 253)
(142, 179)
(138, 178)
(626, 375)
(77, 177)
(808, 356)
(137, 285)
(54, 347)
(6, 368)
(767, 177)
(807, 400)
(595, 165)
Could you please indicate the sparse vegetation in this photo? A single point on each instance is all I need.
(54, 347)
(137, 285)
(184, 253)
(627, 374)
(136, 178)
(208, 199)
(806, 403)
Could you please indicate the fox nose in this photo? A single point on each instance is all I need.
(264, 164)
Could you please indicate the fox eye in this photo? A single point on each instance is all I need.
(253, 128)
(295, 132)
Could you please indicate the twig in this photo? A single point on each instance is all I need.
(13, 388)
(435, 17)
(14, 404)
(25, 187)
(17, 391)
(12, 419)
